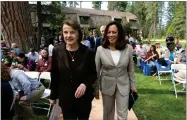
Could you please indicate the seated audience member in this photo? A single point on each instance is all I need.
(141, 54)
(147, 46)
(159, 49)
(6, 94)
(15, 47)
(44, 63)
(84, 41)
(170, 53)
(181, 59)
(25, 63)
(33, 55)
(178, 45)
(14, 59)
(29, 90)
(151, 56)
(6, 59)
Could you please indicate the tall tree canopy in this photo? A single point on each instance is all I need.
(117, 5)
(96, 5)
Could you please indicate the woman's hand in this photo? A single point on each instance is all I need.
(133, 90)
(80, 91)
(51, 101)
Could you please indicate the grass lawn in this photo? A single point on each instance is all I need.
(156, 102)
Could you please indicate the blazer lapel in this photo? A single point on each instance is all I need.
(108, 53)
(82, 53)
(63, 57)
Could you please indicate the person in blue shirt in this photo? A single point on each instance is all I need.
(29, 90)
(84, 41)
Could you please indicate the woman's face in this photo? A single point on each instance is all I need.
(152, 48)
(70, 35)
(112, 34)
(44, 53)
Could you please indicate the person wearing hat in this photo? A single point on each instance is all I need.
(25, 63)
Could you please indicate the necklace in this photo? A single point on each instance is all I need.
(72, 56)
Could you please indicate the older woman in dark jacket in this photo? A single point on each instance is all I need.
(73, 74)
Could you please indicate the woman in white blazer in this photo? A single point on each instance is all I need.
(115, 68)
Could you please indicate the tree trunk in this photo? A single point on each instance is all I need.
(16, 23)
(39, 30)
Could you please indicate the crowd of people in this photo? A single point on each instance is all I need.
(80, 66)
(149, 53)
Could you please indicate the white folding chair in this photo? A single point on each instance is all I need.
(33, 74)
(177, 67)
(47, 77)
(163, 70)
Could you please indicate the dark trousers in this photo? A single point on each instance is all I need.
(77, 109)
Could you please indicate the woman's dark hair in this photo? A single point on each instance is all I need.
(21, 55)
(154, 48)
(75, 25)
(121, 42)
(5, 75)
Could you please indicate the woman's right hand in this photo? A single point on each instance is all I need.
(51, 101)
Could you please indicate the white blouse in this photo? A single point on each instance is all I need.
(115, 55)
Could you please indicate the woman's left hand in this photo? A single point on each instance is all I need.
(80, 90)
(133, 90)
(23, 98)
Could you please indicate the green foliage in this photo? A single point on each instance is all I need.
(53, 14)
(117, 5)
(96, 5)
(176, 28)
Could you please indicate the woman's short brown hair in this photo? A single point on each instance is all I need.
(75, 25)
(5, 74)
(121, 42)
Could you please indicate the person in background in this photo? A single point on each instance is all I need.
(6, 59)
(51, 46)
(147, 46)
(25, 63)
(141, 54)
(102, 30)
(181, 59)
(90, 35)
(29, 90)
(159, 49)
(94, 41)
(44, 63)
(15, 47)
(14, 59)
(33, 55)
(115, 70)
(178, 45)
(3, 45)
(151, 56)
(73, 74)
(7, 95)
(170, 53)
(84, 41)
